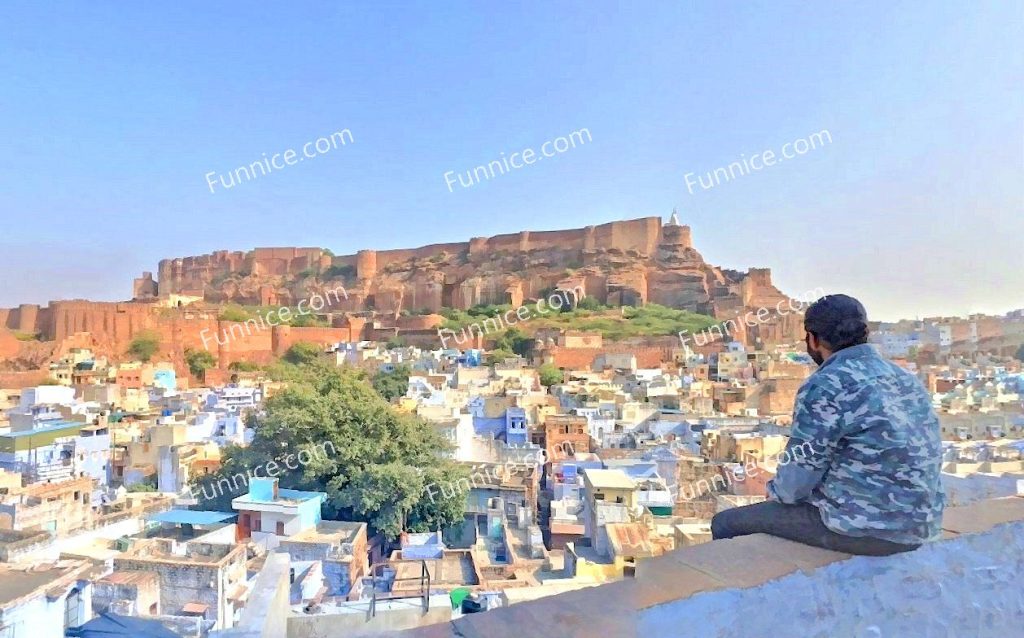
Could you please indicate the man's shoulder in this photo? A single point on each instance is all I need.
(832, 379)
(820, 383)
(868, 364)
(896, 369)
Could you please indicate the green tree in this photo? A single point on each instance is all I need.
(498, 355)
(391, 385)
(1020, 353)
(199, 361)
(340, 272)
(549, 375)
(589, 303)
(375, 464)
(148, 485)
(234, 313)
(395, 342)
(384, 492)
(243, 366)
(307, 321)
(515, 341)
(144, 346)
(303, 353)
(488, 310)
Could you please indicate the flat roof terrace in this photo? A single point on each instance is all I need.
(330, 532)
(166, 551)
(284, 497)
(508, 476)
(455, 569)
(20, 582)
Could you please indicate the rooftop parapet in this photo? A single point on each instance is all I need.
(967, 584)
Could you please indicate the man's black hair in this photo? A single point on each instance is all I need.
(838, 320)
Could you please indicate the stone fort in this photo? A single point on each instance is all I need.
(621, 263)
(631, 262)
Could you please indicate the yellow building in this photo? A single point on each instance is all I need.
(740, 447)
(9, 481)
(758, 448)
(610, 486)
(141, 458)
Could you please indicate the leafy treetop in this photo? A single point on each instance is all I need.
(199, 361)
(144, 346)
(375, 464)
(303, 353)
(549, 375)
(392, 385)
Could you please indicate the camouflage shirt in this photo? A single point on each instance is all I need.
(865, 449)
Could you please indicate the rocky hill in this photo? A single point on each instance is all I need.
(367, 295)
(629, 262)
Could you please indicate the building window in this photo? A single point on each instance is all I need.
(71, 608)
(280, 528)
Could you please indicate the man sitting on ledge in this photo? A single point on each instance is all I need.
(861, 470)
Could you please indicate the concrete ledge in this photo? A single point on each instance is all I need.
(266, 612)
(983, 515)
(746, 561)
(736, 564)
(966, 586)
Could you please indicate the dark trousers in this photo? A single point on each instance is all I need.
(801, 523)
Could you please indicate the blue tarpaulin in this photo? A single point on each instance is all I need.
(109, 625)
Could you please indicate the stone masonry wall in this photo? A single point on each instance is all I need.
(183, 581)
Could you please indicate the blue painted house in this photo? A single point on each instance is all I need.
(267, 513)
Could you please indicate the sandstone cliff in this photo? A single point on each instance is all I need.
(620, 263)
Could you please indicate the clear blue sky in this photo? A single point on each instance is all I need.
(111, 114)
